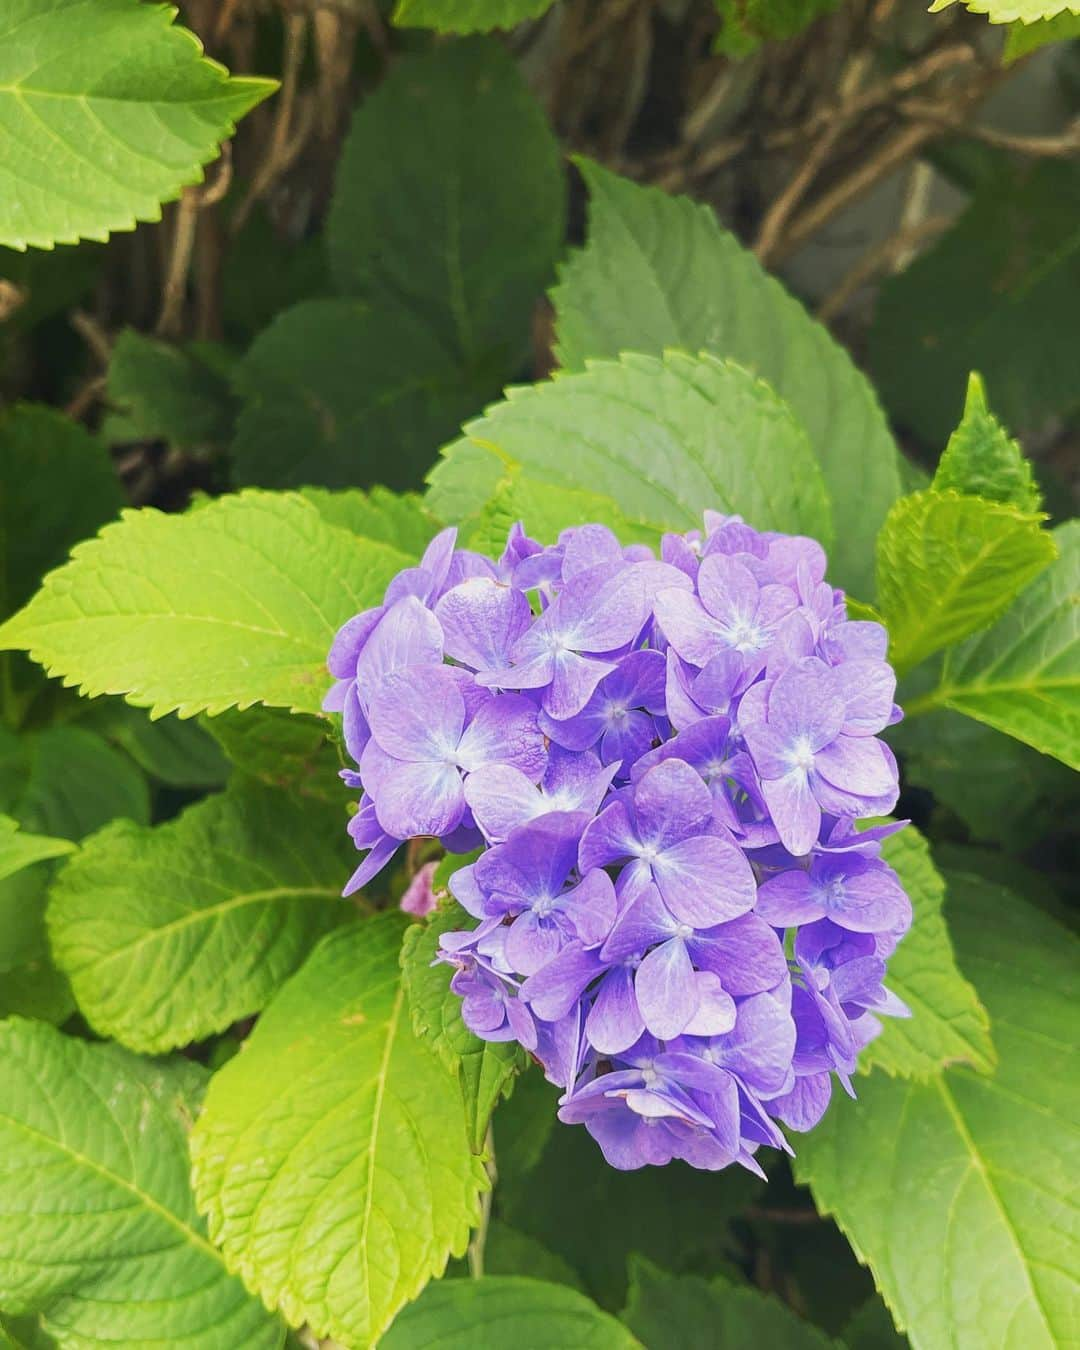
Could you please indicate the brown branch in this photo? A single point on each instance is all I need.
(782, 209)
(1062, 146)
(192, 200)
(878, 259)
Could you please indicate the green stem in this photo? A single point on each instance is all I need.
(478, 1241)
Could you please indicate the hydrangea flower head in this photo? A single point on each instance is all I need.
(662, 763)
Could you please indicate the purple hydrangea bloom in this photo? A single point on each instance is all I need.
(662, 765)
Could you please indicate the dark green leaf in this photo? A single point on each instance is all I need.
(168, 393)
(466, 16)
(178, 754)
(281, 749)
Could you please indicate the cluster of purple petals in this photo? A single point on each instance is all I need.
(662, 762)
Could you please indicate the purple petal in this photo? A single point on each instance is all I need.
(794, 810)
(349, 642)
(407, 635)
(504, 731)
(481, 620)
(802, 1107)
(857, 765)
(608, 838)
(556, 987)
(418, 714)
(587, 546)
(532, 942)
(614, 1022)
(573, 681)
(378, 856)
(418, 898)
(688, 626)
(705, 881)
(760, 1048)
(502, 798)
(643, 923)
(591, 906)
(716, 1008)
(745, 953)
(420, 798)
(789, 899)
(867, 688)
(666, 993)
(671, 803)
(804, 704)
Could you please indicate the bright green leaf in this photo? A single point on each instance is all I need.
(484, 1069)
(168, 935)
(234, 603)
(505, 1310)
(659, 271)
(105, 1241)
(466, 16)
(1023, 675)
(19, 849)
(450, 204)
(664, 438)
(698, 1314)
(996, 293)
(57, 485)
(971, 1245)
(332, 1156)
(340, 393)
(948, 565)
(398, 518)
(1024, 38)
(162, 392)
(1012, 11)
(106, 111)
(981, 459)
(948, 1024)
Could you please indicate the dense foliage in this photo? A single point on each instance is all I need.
(434, 439)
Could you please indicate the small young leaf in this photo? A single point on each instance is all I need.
(948, 1024)
(332, 1156)
(484, 1069)
(234, 603)
(1023, 675)
(659, 271)
(505, 1310)
(698, 1314)
(170, 934)
(19, 849)
(1024, 38)
(948, 565)
(933, 1182)
(450, 203)
(107, 111)
(466, 16)
(106, 1243)
(981, 460)
(664, 438)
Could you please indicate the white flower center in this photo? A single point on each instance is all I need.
(802, 755)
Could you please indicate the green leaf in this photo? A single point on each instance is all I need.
(338, 393)
(106, 111)
(871, 1328)
(981, 460)
(745, 26)
(19, 849)
(948, 1024)
(1023, 675)
(659, 271)
(664, 438)
(510, 1252)
(68, 781)
(168, 393)
(956, 1191)
(485, 1070)
(398, 518)
(234, 603)
(450, 203)
(56, 487)
(332, 1156)
(178, 754)
(466, 16)
(997, 294)
(168, 935)
(505, 1310)
(948, 566)
(524, 1122)
(699, 1314)
(106, 1243)
(281, 750)
(1011, 11)
(1024, 38)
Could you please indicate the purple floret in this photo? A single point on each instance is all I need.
(663, 765)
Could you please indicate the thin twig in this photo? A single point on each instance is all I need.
(478, 1240)
(93, 335)
(174, 291)
(1062, 146)
(879, 259)
(782, 209)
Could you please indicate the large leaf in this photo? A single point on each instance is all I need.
(505, 1310)
(1023, 675)
(997, 293)
(332, 1155)
(982, 460)
(485, 1069)
(170, 934)
(281, 750)
(957, 1191)
(948, 1024)
(341, 393)
(98, 1227)
(450, 203)
(659, 271)
(179, 754)
(56, 487)
(234, 603)
(466, 16)
(948, 565)
(1012, 11)
(105, 112)
(664, 438)
(401, 519)
(19, 850)
(698, 1314)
